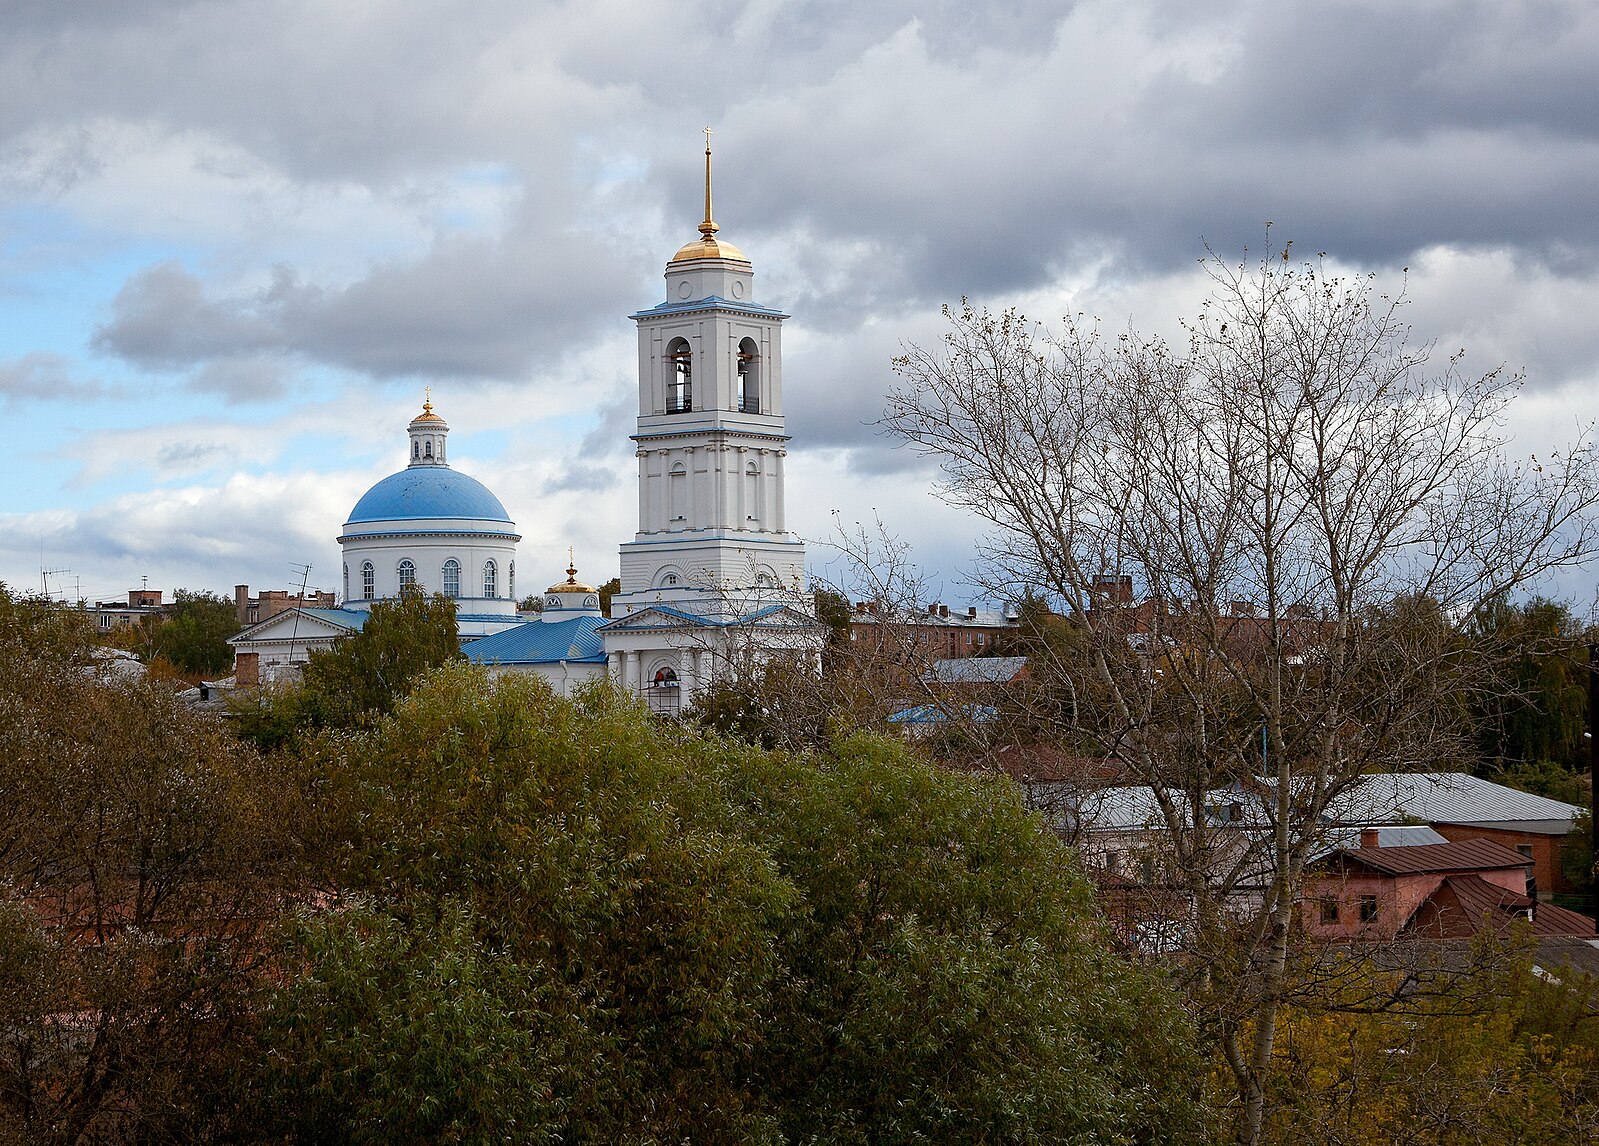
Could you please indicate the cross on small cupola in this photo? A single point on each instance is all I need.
(571, 595)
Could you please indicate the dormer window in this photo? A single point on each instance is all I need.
(679, 377)
(749, 379)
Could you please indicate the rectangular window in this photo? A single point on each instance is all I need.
(1368, 909)
(1329, 909)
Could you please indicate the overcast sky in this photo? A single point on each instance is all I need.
(238, 237)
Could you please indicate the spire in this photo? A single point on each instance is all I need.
(709, 227)
(707, 246)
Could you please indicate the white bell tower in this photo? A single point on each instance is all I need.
(711, 440)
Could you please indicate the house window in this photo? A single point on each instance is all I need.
(749, 378)
(1329, 909)
(452, 578)
(490, 579)
(1113, 862)
(407, 572)
(1368, 909)
(367, 578)
(679, 377)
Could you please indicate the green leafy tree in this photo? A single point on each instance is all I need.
(363, 676)
(1496, 1054)
(193, 633)
(1534, 705)
(141, 867)
(568, 922)
(608, 590)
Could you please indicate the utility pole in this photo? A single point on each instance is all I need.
(1593, 781)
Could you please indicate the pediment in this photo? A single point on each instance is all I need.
(654, 618)
(293, 625)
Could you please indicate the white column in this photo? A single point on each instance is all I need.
(779, 522)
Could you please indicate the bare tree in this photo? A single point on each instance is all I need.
(1263, 545)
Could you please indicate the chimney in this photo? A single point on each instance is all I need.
(1370, 838)
(932, 610)
(971, 612)
(241, 601)
(943, 610)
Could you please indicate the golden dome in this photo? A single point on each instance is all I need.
(427, 414)
(571, 584)
(707, 248)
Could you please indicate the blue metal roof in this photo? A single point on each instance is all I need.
(428, 491)
(709, 302)
(348, 618)
(541, 643)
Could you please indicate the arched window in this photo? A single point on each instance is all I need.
(510, 580)
(427, 449)
(490, 579)
(679, 377)
(749, 377)
(416, 449)
(664, 678)
(677, 492)
(407, 571)
(367, 589)
(752, 492)
(346, 580)
(452, 578)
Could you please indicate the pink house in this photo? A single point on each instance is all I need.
(1446, 890)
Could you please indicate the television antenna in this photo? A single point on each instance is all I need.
(44, 579)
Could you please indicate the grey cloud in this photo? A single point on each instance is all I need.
(584, 479)
(473, 307)
(240, 380)
(41, 377)
(161, 318)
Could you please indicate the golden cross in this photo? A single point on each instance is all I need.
(707, 139)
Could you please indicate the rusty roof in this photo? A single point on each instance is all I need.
(1466, 855)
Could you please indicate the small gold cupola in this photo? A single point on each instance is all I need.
(428, 432)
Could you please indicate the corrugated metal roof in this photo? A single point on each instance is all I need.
(1449, 798)
(1465, 855)
(932, 714)
(1388, 836)
(976, 670)
(541, 642)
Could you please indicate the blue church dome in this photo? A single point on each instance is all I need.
(428, 491)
